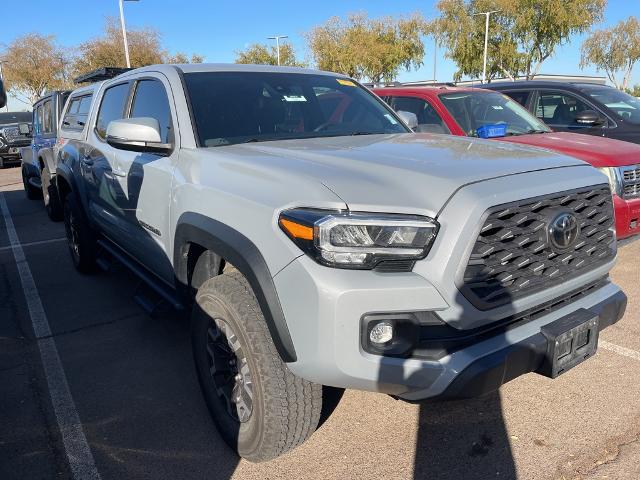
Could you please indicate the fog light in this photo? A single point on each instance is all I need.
(382, 332)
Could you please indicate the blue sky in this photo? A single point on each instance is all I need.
(217, 29)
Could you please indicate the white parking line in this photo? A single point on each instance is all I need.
(40, 242)
(75, 443)
(627, 352)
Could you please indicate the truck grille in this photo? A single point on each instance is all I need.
(513, 255)
(631, 181)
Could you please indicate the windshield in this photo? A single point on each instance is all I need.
(15, 117)
(240, 107)
(475, 110)
(622, 103)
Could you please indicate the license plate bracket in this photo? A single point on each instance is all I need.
(570, 341)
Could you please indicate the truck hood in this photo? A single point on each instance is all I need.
(400, 172)
(598, 151)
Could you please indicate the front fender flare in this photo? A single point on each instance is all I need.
(243, 254)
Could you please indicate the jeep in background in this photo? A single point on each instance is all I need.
(15, 132)
(317, 241)
(38, 158)
(578, 107)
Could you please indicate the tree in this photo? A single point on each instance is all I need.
(376, 49)
(258, 54)
(145, 48)
(615, 50)
(523, 33)
(462, 35)
(180, 57)
(32, 64)
(635, 91)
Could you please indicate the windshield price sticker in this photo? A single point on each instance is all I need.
(294, 98)
(347, 83)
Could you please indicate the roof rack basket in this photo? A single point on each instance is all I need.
(100, 74)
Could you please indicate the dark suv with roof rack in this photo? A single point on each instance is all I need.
(578, 107)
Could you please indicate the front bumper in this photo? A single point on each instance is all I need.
(486, 374)
(627, 216)
(323, 308)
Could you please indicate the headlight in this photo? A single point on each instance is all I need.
(615, 179)
(359, 240)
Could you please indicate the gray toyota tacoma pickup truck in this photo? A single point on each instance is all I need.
(316, 241)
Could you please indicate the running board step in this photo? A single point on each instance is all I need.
(164, 292)
(150, 302)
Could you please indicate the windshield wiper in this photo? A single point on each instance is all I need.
(353, 134)
(533, 130)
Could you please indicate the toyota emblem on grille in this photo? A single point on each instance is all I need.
(564, 229)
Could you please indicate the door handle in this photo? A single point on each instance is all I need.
(118, 173)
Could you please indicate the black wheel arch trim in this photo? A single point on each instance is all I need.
(65, 173)
(243, 254)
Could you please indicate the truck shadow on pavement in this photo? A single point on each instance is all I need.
(465, 439)
(457, 439)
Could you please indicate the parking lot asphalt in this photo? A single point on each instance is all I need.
(131, 383)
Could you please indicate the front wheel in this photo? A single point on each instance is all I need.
(261, 409)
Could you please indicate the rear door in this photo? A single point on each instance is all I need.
(97, 164)
(44, 131)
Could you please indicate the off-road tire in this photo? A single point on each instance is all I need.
(50, 197)
(81, 239)
(31, 192)
(286, 408)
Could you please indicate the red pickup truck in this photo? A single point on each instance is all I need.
(483, 113)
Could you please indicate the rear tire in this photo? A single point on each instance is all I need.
(268, 410)
(31, 192)
(50, 197)
(81, 239)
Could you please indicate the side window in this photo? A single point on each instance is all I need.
(150, 100)
(428, 119)
(73, 106)
(112, 107)
(521, 97)
(76, 115)
(38, 120)
(47, 117)
(557, 108)
(83, 110)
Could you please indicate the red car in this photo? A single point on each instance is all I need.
(483, 113)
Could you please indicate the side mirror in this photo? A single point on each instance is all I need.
(3, 95)
(411, 119)
(141, 134)
(588, 117)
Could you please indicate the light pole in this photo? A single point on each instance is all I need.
(435, 56)
(277, 39)
(486, 40)
(124, 31)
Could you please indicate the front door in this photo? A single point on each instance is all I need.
(559, 109)
(145, 180)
